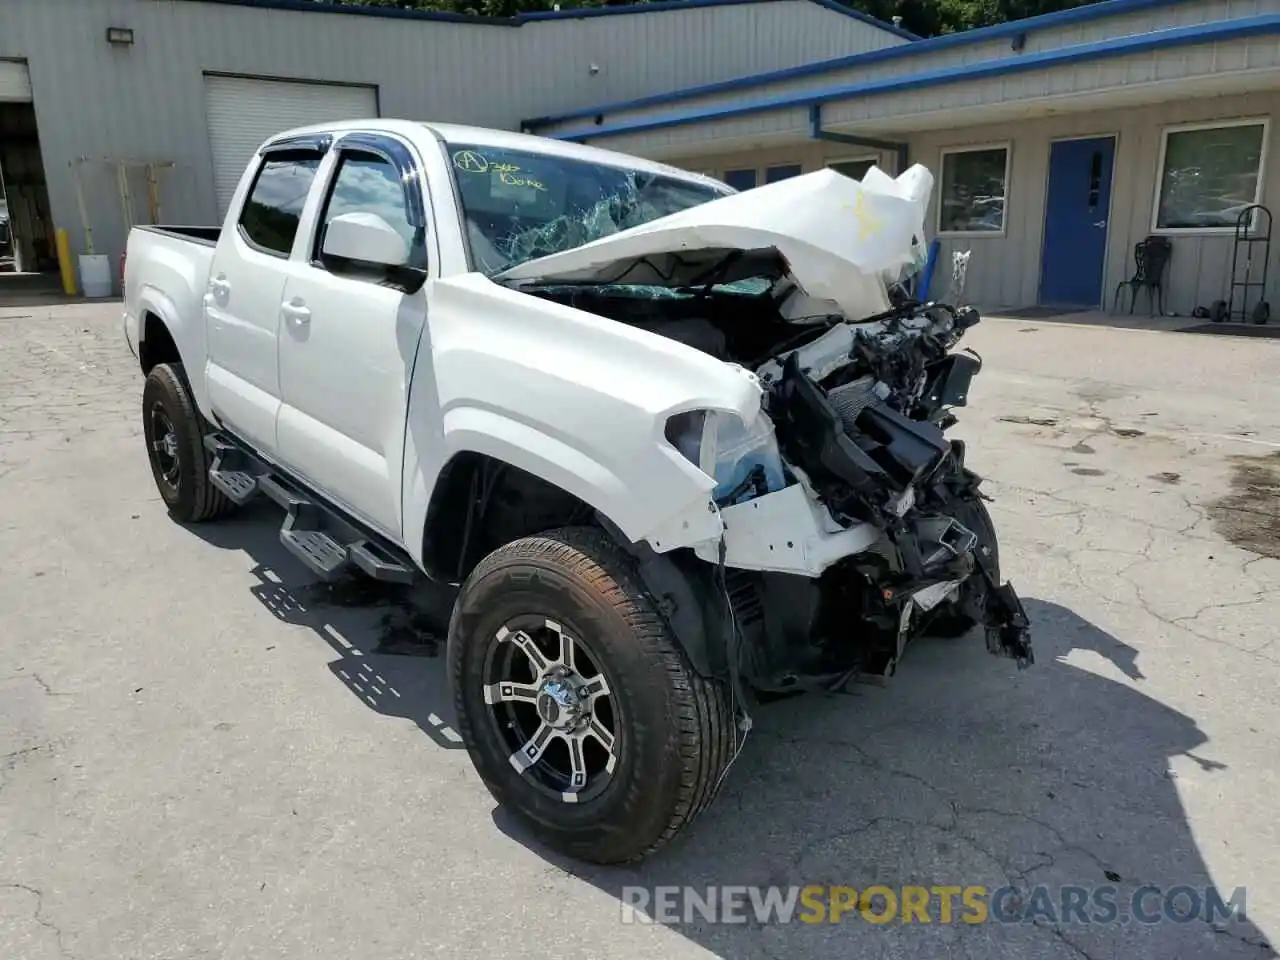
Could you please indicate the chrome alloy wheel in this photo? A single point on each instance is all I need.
(553, 707)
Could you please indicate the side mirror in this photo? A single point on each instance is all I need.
(365, 238)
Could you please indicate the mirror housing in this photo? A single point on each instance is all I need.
(365, 238)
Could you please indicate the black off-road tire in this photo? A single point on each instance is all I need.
(191, 498)
(675, 730)
(957, 618)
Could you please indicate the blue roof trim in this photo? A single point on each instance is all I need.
(579, 13)
(1095, 11)
(1193, 35)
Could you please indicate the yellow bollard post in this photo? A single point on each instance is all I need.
(65, 266)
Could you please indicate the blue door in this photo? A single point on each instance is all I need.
(1075, 222)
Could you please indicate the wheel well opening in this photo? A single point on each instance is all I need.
(157, 344)
(480, 503)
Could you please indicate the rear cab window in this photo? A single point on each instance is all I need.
(269, 220)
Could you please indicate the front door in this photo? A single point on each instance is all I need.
(348, 344)
(1075, 222)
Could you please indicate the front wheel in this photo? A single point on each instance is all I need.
(580, 711)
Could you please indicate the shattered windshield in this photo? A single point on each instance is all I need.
(519, 205)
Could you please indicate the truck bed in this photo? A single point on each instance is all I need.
(207, 236)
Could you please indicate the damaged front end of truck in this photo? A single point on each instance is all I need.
(850, 522)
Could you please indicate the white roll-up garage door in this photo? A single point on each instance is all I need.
(15, 83)
(243, 112)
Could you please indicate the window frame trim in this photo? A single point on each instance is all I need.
(265, 156)
(401, 158)
(943, 152)
(1259, 188)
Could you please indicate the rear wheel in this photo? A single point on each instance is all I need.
(174, 432)
(579, 709)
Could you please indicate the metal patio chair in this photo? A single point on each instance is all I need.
(1151, 258)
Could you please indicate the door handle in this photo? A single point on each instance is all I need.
(296, 312)
(220, 287)
(1100, 223)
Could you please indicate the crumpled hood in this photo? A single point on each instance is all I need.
(838, 239)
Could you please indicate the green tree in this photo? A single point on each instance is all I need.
(928, 18)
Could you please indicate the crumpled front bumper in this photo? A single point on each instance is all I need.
(785, 532)
(790, 532)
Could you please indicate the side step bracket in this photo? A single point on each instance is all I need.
(327, 543)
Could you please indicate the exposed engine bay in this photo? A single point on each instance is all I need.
(853, 418)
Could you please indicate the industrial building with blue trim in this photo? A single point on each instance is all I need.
(1058, 143)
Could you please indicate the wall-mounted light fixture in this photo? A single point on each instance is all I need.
(120, 36)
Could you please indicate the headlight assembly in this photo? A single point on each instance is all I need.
(742, 458)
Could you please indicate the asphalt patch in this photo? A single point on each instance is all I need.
(1266, 331)
(1031, 421)
(1037, 312)
(1249, 516)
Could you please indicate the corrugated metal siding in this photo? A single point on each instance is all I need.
(15, 84)
(1070, 81)
(146, 101)
(1005, 271)
(243, 113)
(1184, 14)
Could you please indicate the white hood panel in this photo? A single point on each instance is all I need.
(841, 239)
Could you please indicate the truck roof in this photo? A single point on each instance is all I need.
(500, 139)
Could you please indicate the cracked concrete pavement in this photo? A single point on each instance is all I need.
(202, 757)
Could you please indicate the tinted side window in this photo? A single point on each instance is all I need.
(270, 215)
(369, 184)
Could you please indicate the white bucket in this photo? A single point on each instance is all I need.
(95, 275)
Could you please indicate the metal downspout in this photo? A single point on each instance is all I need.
(900, 149)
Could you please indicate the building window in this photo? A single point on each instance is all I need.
(975, 184)
(782, 172)
(1208, 174)
(747, 178)
(855, 168)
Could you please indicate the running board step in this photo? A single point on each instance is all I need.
(239, 487)
(318, 551)
(327, 546)
(231, 471)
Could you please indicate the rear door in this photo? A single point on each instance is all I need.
(246, 283)
(349, 339)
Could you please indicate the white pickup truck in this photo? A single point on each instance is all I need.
(676, 446)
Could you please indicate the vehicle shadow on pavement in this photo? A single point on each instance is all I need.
(962, 771)
(388, 639)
